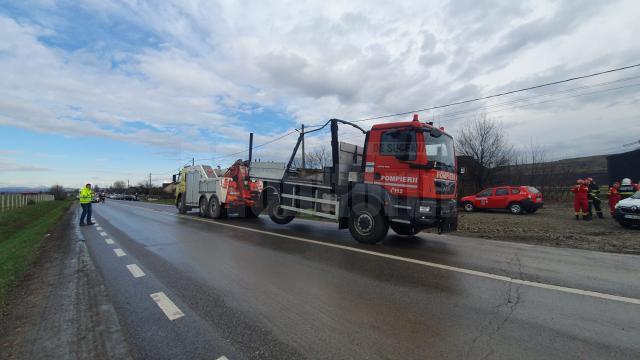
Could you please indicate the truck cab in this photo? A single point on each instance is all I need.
(415, 164)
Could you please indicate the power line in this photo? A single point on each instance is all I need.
(442, 106)
(499, 94)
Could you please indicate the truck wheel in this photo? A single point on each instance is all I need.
(182, 207)
(404, 229)
(468, 207)
(277, 214)
(516, 208)
(367, 224)
(215, 210)
(203, 207)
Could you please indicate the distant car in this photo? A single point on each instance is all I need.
(516, 199)
(628, 211)
(95, 199)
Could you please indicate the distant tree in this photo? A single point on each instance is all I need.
(119, 185)
(484, 140)
(58, 192)
(318, 158)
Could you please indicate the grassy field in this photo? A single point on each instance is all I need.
(21, 233)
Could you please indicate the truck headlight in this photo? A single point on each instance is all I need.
(425, 209)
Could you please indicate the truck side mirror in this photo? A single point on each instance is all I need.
(175, 178)
(462, 170)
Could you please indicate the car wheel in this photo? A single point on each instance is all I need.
(366, 224)
(468, 207)
(516, 208)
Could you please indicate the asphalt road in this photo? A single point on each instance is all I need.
(252, 289)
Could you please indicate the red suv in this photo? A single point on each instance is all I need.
(517, 199)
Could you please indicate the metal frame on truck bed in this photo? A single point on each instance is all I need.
(405, 177)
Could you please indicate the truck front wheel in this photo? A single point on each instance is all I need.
(277, 214)
(367, 224)
(182, 207)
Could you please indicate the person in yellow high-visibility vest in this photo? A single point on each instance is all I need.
(86, 195)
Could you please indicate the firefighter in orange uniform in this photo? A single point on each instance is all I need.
(614, 197)
(580, 200)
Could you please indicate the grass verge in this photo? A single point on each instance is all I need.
(21, 233)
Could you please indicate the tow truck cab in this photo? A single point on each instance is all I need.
(415, 164)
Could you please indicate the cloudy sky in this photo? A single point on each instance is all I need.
(99, 90)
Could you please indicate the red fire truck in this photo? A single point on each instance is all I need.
(404, 177)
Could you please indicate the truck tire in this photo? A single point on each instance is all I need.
(516, 208)
(277, 214)
(367, 224)
(215, 210)
(203, 207)
(182, 207)
(404, 229)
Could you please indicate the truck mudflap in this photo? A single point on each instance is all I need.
(447, 225)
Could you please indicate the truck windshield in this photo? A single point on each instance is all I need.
(440, 152)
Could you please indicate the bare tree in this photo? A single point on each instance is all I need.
(483, 140)
(119, 185)
(58, 192)
(319, 158)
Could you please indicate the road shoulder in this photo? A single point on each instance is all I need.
(61, 308)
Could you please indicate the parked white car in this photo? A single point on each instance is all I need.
(628, 211)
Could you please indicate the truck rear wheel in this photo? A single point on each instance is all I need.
(203, 208)
(404, 229)
(367, 224)
(215, 210)
(277, 214)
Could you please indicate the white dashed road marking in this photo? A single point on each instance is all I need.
(103, 234)
(167, 306)
(593, 294)
(222, 358)
(109, 241)
(119, 252)
(135, 270)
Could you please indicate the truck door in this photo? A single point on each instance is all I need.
(500, 199)
(193, 180)
(397, 150)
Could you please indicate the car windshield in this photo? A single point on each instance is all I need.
(636, 195)
(440, 152)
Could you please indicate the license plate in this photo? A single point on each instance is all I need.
(538, 200)
(632, 217)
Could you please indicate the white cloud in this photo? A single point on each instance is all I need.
(314, 60)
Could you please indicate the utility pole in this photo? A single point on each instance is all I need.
(149, 184)
(303, 164)
(250, 148)
(193, 161)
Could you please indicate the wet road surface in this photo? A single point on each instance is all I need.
(244, 288)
